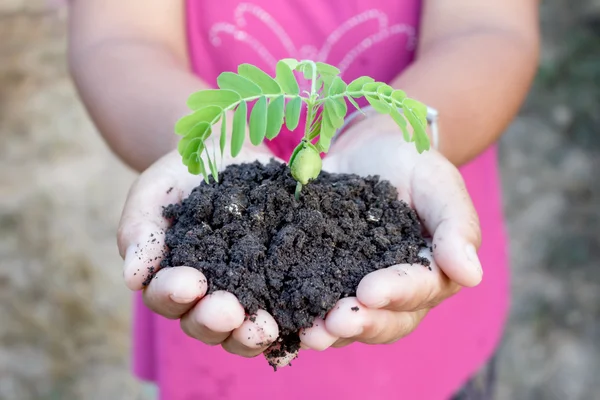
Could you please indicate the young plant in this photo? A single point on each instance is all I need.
(278, 101)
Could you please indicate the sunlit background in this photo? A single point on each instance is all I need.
(64, 311)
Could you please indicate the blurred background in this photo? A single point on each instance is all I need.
(61, 193)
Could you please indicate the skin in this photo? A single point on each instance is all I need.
(472, 55)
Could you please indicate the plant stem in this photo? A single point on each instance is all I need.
(313, 84)
(312, 98)
(298, 190)
(310, 116)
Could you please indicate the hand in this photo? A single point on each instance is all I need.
(180, 293)
(393, 301)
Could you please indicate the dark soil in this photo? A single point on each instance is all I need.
(294, 259)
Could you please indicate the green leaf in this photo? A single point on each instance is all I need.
(401, 122)
(420, 135)
(292, 113)
(195, 165)
(324, 142)
(398, 96)
(200, 130)
(192, 163)
(223, 138)
(239, 128)
(338, 110)
(212, 97)
(209, 114)
(378, 105)
(330, 118)
(267, 84)
(385, 90)
(337, 86)
(307, 70)
(239, 84)
(290, 62)
(188, 145)
(319, 83)
(258, 121)
(333, 119)
(183, 143)
(195, 146)
(355, 104)
(326, 134)
(342, 105)
(203, 168)
(326, 69)
(421, 141)
(275, 117)
(208, 160)
(327, 81)
(371, 88)
(286, 79)
(213, 166)
(417, 107)
(206, 134)
(357, 84)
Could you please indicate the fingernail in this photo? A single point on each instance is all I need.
(357, 331)
(129, 256)
(381, 303)
(129, 273)
(474, 258)
(182, 299)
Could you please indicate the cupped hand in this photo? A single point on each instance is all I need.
(392, 302)
(180, 293)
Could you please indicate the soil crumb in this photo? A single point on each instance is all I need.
(294, 259)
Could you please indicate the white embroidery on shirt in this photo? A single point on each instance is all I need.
(268, 21)
(384, 32)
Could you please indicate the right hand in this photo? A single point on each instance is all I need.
(180, 293)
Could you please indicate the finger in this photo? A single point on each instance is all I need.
(406, 287)
(214, 318)
(355, 322)
(443, 204)
(345, 319)
(388, 326)
(255, 335)
(317, 337)
(141, 232)
(173, 291)
(278, 358)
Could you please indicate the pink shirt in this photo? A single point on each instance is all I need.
(361, 37)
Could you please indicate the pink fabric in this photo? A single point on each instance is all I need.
(363, 37)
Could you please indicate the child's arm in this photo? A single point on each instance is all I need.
(128, 59)
(476, 60)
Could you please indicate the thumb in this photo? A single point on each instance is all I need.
(455, 248)
(445, 207)
(141, 233)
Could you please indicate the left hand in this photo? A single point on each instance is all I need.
(393, 301)
(181, 293)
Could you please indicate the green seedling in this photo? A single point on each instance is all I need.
(278, 101)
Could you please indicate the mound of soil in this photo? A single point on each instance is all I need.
(295, 259)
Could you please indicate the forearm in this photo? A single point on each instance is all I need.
(134, 91)
(477, 81)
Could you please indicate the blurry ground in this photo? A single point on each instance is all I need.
(64, 314)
